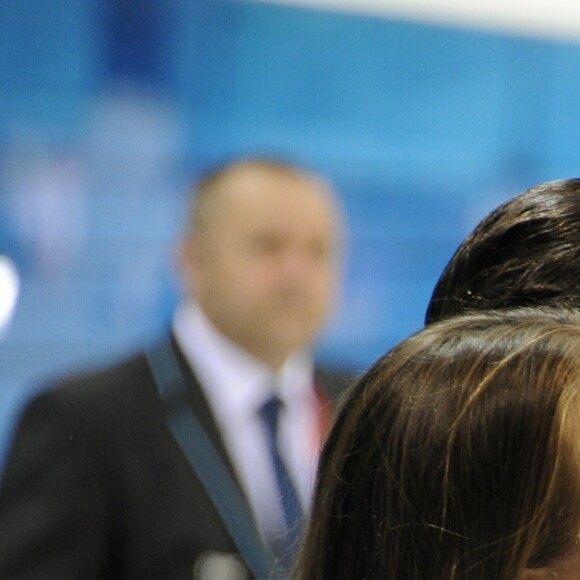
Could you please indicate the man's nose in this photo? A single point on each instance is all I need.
(296, 264)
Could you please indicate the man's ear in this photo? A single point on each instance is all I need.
(190, 260)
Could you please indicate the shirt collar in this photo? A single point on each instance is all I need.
(235, 381)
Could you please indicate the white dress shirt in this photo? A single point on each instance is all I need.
(236, 384)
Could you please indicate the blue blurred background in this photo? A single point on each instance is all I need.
(109, 108)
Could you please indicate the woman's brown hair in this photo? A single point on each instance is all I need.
(455, 456)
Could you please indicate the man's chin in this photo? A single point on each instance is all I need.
(291, 335)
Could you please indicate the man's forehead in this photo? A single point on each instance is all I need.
(269, 194)
(246, 179)
(260, 193)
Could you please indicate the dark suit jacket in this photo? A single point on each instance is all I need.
(96, 487)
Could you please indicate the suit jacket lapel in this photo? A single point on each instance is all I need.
(199, 439)
(201, 408)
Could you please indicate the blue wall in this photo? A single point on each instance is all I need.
(107, 109)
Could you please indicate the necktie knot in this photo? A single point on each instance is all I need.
(270, 414)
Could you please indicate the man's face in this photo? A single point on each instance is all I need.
(264, 266)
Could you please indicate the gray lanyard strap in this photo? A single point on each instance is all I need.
(206, 462)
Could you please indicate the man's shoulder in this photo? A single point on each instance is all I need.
(109, 388)
(123, 373)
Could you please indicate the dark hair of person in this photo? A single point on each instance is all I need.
(524, 253)
(455, 456)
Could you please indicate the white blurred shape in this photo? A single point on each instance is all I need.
(9, 288)
(557, 19)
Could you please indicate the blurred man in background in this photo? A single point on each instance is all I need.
(195, 458)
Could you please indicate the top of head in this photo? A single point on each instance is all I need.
(526, 252)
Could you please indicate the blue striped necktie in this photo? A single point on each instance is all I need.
(293, 513)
